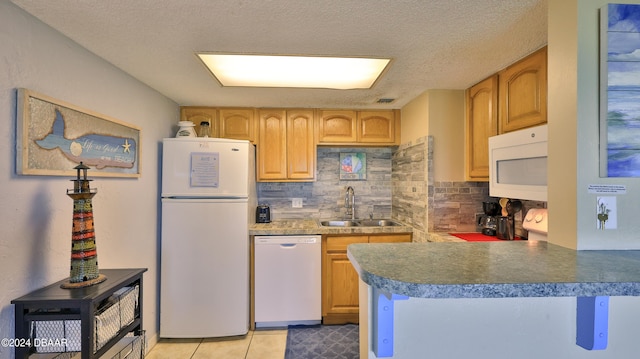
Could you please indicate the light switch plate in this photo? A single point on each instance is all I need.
(296, 202)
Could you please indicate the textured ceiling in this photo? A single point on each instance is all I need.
(434, 44)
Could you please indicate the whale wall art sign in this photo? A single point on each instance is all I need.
(53, 137)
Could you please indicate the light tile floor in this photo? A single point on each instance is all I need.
(259, 344)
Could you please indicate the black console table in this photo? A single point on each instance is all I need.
(54, 303)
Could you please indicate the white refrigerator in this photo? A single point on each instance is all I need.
(208, 202)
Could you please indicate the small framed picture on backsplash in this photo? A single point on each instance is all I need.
(353, 166)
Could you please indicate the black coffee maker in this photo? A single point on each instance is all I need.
(488, 222)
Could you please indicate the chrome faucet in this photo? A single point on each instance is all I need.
(350, 202)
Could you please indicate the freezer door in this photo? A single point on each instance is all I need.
(205, 167)
(204, 272)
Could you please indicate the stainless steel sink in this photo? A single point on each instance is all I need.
(358, 222)
(376, 222)
(339, 223)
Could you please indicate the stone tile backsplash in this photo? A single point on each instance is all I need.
(324, 198)
(399, 185)
(453, 206)
(411, 166)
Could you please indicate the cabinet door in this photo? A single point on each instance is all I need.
(482, 123)
(390, 238)
(342, 292)
(201, 114)
(301, 149)
(339, 279)
(337, 126)
(523, 93)
(238, 124)
(272, 145)
(377, 126)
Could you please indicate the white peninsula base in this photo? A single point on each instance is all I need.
(523, 328)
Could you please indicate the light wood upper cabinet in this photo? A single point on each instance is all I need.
(238, 124)
(201, 114)
(511, 100)
(234, 123)
(377, 126)
(272, 145)
(337, 126)
(286, 149)
(482, 123)
(301, 149)
(369, 127)
(523, 93)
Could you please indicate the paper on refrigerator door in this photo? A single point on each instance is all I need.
(205, 169)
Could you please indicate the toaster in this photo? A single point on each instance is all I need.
(263, 213)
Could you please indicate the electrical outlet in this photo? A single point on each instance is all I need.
(296, 202)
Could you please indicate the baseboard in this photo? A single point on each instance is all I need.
(152, 340)
(286, 324)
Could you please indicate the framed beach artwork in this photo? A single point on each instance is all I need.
(353, 166)
(620, 90)
(53, 137)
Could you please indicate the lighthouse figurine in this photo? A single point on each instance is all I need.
(84, 255)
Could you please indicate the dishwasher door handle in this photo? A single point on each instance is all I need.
(288, 245)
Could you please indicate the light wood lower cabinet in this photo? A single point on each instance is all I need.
(339, 278)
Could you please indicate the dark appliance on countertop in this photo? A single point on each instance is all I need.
(263, 213)
(506, 224)
(488, 222)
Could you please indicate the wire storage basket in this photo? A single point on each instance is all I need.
(113, 314)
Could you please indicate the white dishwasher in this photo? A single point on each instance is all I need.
(287, 280)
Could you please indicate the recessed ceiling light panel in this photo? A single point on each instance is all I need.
(294, 71)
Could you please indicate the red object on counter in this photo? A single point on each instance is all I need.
(479, 237)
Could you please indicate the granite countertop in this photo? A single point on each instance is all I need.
(312, 226)
(444, 237)
(495, 270)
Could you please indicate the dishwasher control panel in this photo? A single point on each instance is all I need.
(287, 239)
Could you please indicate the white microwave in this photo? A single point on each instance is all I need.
(518, 164)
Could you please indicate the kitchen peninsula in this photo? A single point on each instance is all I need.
(496, 299)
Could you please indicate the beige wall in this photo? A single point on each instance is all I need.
(439, 113)
(562, 118)
(35, 215)
(446, 125)
(415, 119)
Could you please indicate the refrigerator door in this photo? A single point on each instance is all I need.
(205, 167)
(204, 279)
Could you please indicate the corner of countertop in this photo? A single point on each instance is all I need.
(443, 237)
